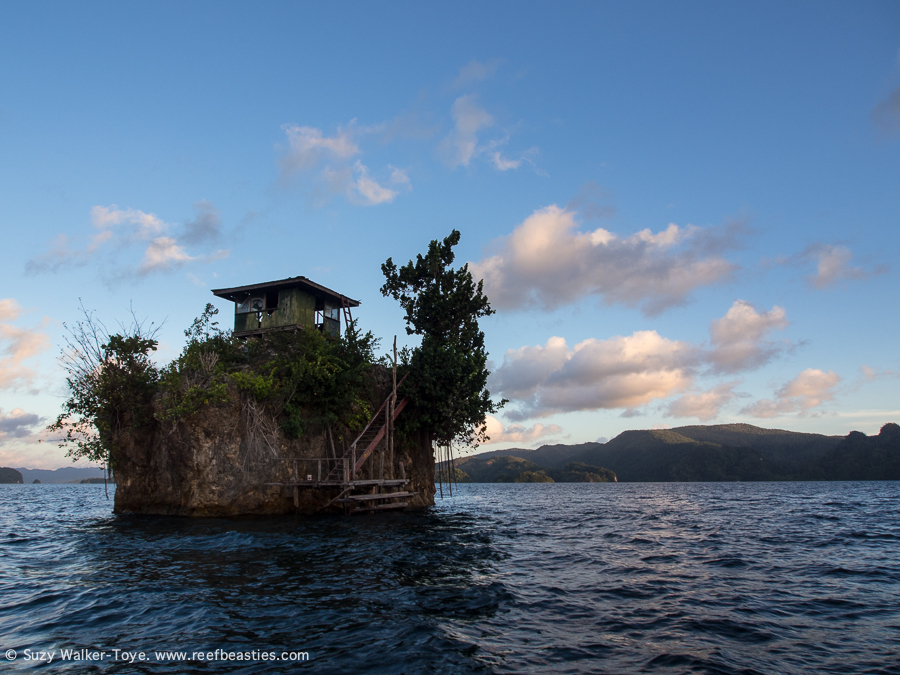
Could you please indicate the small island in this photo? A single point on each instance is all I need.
(292, 411)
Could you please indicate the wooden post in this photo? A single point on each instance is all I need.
(296, 489)
(331, 442)
(318, 471)
(393, 409)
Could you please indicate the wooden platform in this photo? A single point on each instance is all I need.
(396, 482)
(352, 499)
(365, 503)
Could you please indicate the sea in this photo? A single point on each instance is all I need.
(499, 578)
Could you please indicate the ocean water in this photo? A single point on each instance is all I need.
(547, 578)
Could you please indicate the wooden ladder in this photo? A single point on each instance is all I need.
(367, 442)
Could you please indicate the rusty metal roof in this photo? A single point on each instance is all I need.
(320, 292)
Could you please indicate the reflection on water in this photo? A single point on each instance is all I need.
(580, 578)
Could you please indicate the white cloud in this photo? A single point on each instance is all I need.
(631, 371)
(501, 163)
(329, 160)
(739, 338)
(516, 433)
(369, 191)
(307, 147)
(871, 374)
(139, 224)
(475, 71)
(832, 266)
(621, 372)
(163, 253)
(547, 262)
(17, 425)
(704, 405)
(461, 145)
(808, 390)
(399, 177)
(18, 345)
(124, 228)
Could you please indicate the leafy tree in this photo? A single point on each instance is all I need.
(111, 380)
(316, 380)
(443, 305)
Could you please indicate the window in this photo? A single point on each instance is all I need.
(271, 299)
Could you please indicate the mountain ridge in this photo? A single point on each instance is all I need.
(723, 452)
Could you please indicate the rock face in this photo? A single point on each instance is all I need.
(222, 460)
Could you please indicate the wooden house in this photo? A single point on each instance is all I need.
(295, 302)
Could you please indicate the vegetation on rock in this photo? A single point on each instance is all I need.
(489, 468)
(301, 379)
(448, 385)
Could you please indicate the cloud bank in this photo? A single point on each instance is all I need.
(332, 165)
(808, 390)
(516, 433)
(18, 345)
(632, 371)
(547, 262)
(17, 425)
(118, 230)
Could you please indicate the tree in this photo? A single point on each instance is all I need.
(449, 373)
(111, 380)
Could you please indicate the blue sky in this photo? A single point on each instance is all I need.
(684, 212)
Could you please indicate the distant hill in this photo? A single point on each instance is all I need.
(861, 457)
(67, 474)
(491, 467)
(723, 452)
(553, 456)
(8, 475)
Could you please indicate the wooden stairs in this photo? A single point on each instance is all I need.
(361, 494)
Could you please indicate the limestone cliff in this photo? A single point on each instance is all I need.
(222, 460)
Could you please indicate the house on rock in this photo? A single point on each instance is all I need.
(295, 302)
(234, 457)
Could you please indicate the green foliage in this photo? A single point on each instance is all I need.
(312, 380)
(579, 472)
(260, 387)
(533, 477)
(861, 457)
(301, 377)
(449, 373)
(111, 381)
(8, 475)
(198, 377)
(453, 476)
(490, 468)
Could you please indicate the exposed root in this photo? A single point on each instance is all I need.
(260, 441)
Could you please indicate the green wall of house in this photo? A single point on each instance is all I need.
(295, 307)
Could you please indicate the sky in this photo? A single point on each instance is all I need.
(683, 213)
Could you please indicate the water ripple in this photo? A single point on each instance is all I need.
(577, 578)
